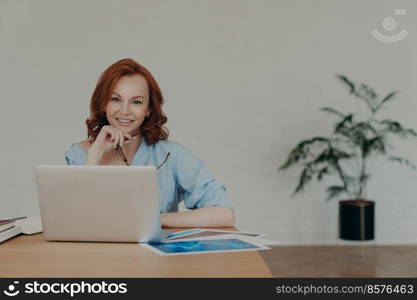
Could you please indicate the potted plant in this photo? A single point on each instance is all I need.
(347, 153)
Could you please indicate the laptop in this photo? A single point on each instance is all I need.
(99, 203)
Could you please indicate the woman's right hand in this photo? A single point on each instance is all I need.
(107, 140)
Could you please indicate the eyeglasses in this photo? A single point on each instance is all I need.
(122, 155)
(165, 160)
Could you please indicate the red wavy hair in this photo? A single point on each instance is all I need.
(152, 128)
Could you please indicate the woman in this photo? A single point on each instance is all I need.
(126, 127)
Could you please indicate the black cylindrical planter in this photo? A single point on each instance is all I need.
(356, 220)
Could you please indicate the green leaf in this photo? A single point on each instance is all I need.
(306, 176)
(375, 144)
(369, 92)
(334, 191)
(392, 126)
(322, 172)
(301, 151)
(395, 127)
(342, 124)
(411, 132)
(368, 95)
(333, 111)
(403, 161)
(346, 81)
(339, 154)
(365, 128)
(388, 97)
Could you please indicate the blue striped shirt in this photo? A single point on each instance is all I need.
(183, 177)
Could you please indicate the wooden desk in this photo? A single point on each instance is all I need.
(342, 261)
(32, 256)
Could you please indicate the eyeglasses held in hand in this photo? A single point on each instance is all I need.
(122, 155)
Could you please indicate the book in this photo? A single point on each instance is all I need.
(8, 223)
(6, 226)
(9, 233)
(25, 225)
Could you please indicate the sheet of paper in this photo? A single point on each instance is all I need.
(200, 233)
(251, 239)
(261, 241)
(204, 246)
(180, 234)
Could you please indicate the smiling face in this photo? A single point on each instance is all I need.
(129, 104)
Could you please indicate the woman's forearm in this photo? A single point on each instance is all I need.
(93, 156)
(202, 217)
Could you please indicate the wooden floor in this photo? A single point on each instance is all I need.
(342, 261)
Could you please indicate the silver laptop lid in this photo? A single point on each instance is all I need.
(99, 203)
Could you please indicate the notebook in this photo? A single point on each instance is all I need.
(9, 233)
(8, 223)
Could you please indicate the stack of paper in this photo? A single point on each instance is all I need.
(12, 227)
(8, 228)
(209, 240)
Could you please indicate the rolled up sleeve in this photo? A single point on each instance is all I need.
(74, 155)
(198, 185)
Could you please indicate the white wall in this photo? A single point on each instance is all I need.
(243, 81)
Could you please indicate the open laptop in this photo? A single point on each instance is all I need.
(99, 203)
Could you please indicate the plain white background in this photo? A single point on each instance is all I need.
(243, 83)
